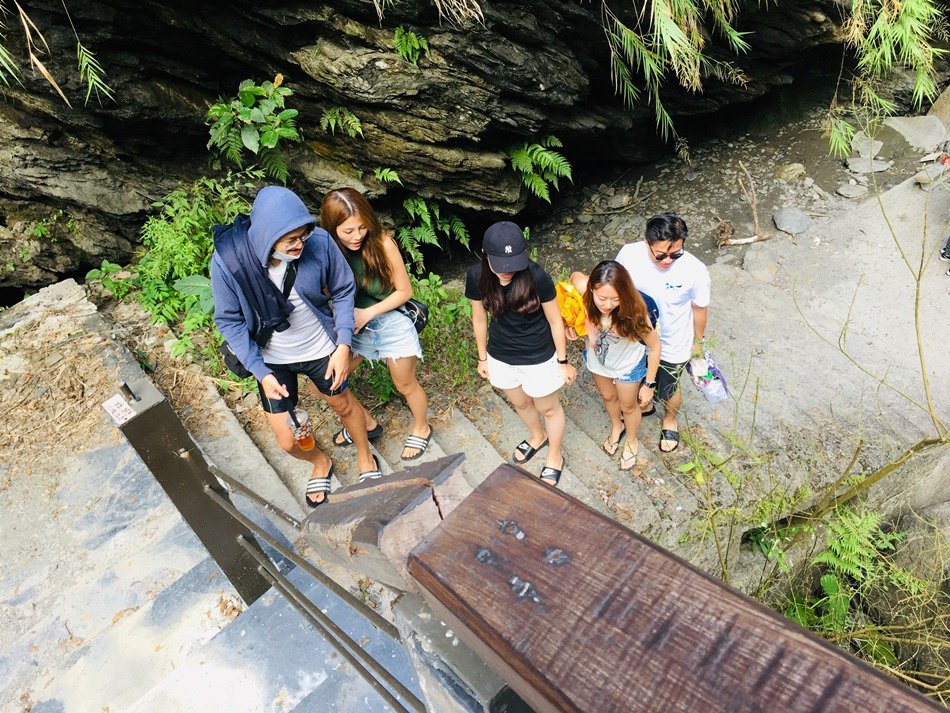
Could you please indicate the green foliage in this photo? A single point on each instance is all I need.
(46, 228)
(540, 166)
(109, 274)
(409, 46)
(854, 543)
(92, 73)
(377, 377)
(341, 118)
(427, 222)
(669, 38)
(255, 121)
(386, 175)
(447, 340)
(173, 271)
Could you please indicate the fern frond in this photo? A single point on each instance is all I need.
(537, 185)
(273, 163)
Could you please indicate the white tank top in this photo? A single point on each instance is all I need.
(612, 355)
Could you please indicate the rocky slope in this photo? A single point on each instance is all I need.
(527, 71)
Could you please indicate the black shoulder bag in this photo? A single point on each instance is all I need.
(231, 360)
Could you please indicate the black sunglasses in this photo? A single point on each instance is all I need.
(672, 256)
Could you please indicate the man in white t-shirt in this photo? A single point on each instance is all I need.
(679, 283)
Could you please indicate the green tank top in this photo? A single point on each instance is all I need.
(366, 294)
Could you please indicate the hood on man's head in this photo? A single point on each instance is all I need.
(276, 211)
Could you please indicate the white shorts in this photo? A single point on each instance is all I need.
(536, 380)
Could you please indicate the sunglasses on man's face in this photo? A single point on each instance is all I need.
(672, 256)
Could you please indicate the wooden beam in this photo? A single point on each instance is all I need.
(579, 613)
(370, 527)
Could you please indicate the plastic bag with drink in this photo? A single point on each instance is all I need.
(302, 428)
(708, 379)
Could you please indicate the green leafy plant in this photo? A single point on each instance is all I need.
(109, 275)
(447, 340)
(540, 166)
(427, 223)
(386, 175)
(409, 46)
(341, 118)
(255, 121)
(179, 245)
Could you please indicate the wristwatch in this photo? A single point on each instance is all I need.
(650, 384)
(562, 361)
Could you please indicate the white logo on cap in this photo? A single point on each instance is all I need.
(507, 250)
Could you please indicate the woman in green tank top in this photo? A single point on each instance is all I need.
(382, 331)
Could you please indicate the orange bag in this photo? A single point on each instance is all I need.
(571, 305)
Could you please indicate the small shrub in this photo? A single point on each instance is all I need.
(409, 46)
(341, 118)
(108, 273)
(540, 166)
(256, 121)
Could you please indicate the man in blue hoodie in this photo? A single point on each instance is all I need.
(272, 277)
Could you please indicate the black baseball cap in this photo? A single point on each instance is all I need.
(505, 247)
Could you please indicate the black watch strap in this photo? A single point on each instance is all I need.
(650, 384)
(562, 361)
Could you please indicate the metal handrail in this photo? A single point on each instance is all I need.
(338, 639)
(259, 499)
(374, 618)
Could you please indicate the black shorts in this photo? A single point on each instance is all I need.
(667, 380)
(287, 375)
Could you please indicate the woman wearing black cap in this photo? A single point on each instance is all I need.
(523, 352)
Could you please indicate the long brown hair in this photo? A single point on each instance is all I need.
(522, 294)
(342, 204)
(629, 319)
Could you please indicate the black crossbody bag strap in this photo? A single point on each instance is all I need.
(290, 277)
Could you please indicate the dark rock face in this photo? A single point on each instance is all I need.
(444, 126)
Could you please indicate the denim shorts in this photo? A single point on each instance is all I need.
(391, 335)
(637, 373)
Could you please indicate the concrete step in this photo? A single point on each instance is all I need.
(456, 434)
(502, 428)
(397, 421)
(270, 658)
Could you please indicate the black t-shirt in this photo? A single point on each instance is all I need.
(514, 338)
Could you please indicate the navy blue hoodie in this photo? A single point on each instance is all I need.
(276, 212)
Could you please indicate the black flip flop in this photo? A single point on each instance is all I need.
(316, 485)
(527, 451)
(373, 435)
(668, 435)
(417, 442)
(372, 474)
(549, 473)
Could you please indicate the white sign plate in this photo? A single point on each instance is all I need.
(117, 408)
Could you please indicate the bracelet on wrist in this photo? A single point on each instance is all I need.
(485, 359)
(562, 361)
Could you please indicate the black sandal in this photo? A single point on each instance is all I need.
(527, 451)
(317, 485)
(372, 474)
(668, 435)
(342, 437)
(419, 443)
(553, 474)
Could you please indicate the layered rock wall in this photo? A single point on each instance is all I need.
(444, 125)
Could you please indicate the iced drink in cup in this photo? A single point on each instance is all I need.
(303, 430)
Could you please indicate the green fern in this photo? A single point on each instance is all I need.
(339, 117)
(273, 163)
(854, 543)
(92, 73)
(409, 46)
(386, 175)
(426, 225)
(836, 604)
(540, 166)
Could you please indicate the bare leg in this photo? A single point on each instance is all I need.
(555, 422)
(627, 394)
(403, 372)
(285, 439)
(524, 407)
(351, 412)
(608, 392)
(672, 408)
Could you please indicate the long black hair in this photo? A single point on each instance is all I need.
(522, 296)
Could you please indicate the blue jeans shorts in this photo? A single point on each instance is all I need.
(637, 373)
(391, 335)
